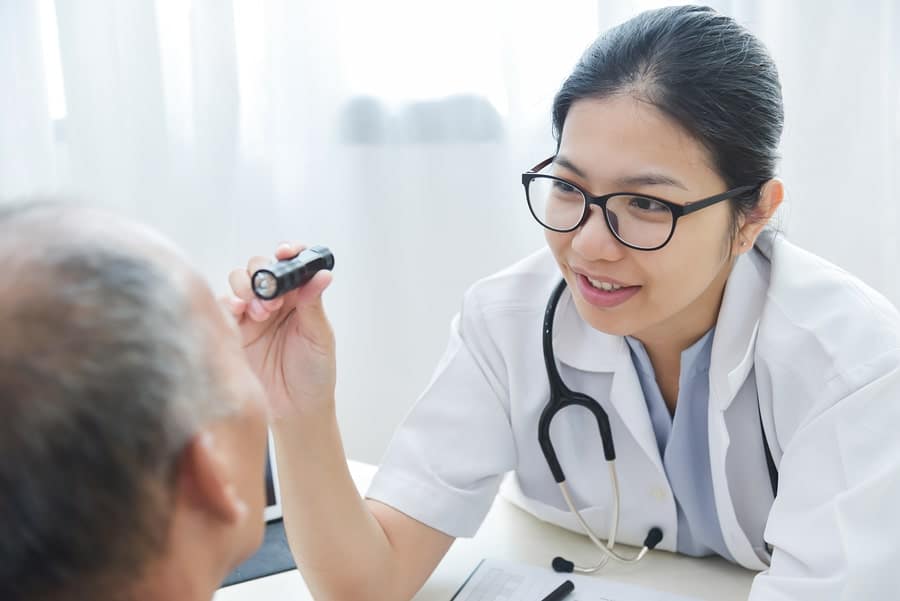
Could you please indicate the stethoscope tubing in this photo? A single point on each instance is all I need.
(560, 398)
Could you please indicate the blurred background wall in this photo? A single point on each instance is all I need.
(395, 132)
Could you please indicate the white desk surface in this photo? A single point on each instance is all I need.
(510, 533)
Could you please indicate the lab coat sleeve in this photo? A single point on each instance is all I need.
(835, 525)
(444, 464)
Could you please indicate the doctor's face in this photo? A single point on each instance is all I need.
(672, 294)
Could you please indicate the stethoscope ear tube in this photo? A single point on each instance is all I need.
(609, 449)
(561, 397)
(564, 566)
(553, 407)
(547, 445)
(556, 383)
(557, 388)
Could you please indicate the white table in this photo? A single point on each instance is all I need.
(510, 533)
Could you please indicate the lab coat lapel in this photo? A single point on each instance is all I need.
(732, 359)
(736, 329)
(579, 345)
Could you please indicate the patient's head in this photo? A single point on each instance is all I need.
(132, 432)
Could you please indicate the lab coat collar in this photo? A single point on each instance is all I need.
(579, 345)
(734, 342)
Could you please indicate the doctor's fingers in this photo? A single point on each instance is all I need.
(244, 300)
(233, 305)
(289, 250)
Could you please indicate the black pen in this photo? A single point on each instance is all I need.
(560, 592)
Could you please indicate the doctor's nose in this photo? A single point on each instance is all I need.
(594, 241)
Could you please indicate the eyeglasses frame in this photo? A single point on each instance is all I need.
(677, 210)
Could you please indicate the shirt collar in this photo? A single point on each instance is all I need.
(694, 358)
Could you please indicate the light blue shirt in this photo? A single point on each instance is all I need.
(683, 443)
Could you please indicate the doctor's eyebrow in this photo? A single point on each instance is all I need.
(649, 178)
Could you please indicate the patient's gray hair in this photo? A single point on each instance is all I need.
(105, 374)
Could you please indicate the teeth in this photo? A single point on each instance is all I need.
(603, 285)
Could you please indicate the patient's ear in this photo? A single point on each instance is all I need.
(206, 478)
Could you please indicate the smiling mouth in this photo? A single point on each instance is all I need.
(603, 293)
(607, 286)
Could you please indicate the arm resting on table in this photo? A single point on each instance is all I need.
(346, 547)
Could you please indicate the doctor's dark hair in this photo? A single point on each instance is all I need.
(704, 71)
(104, 376)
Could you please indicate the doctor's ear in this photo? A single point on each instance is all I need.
(750, 225)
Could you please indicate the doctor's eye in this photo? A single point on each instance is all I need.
(646, 204)
(564, 187)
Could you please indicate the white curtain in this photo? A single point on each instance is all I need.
(394, 132)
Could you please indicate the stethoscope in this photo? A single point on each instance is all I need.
(560, 398)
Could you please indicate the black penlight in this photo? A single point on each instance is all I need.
(281, 277)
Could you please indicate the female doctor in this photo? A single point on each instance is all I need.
(751, 390)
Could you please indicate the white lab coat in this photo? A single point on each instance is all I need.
(818, 349)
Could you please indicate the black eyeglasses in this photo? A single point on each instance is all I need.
(638, 221)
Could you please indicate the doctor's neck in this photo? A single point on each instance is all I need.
(666, 340)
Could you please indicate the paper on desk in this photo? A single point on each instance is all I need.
(499, 580)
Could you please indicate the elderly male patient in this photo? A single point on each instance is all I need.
(132, 431)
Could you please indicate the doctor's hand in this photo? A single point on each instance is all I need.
(288, 340)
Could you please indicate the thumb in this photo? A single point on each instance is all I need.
(311, 319)
(310, 294)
